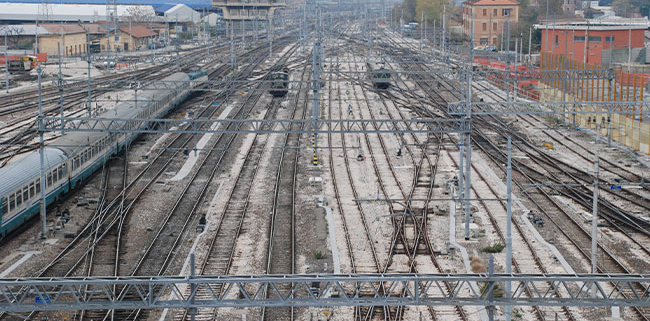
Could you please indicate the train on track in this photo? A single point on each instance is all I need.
(76, 155)
(380, 76)
(279, 83)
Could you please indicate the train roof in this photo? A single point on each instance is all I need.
(71, 142)
(23, 170)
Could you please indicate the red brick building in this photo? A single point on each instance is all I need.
(573, 39)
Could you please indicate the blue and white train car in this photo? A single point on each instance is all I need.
(76, 155)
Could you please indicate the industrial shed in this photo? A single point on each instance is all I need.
(30, 12)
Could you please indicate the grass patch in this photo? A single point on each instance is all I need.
(318, 255)
(494, 248)
(497, 292)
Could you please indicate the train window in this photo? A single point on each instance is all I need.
(12, 202)
(59, 173)
(31, 190)
(5, 208)
(19, 199)
(64, 170)
(38, 186)
(26, 193)
(49, 179)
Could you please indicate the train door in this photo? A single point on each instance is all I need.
(3, 208)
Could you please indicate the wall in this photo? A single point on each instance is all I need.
(495, 24)
(72, 44)
(562, 42)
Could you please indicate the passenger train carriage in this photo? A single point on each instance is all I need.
(76, 155)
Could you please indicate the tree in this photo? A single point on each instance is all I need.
(139, 14)
(433, 9)
(405, 10)
(14, 38)
(627, 8)
(528, 16)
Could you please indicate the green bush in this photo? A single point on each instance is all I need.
(494, 248)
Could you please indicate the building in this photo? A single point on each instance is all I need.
(70, 38)
(31, 12)
(182, 14)
(211, 19)
(136, 37)
(489, 19)
(569, 7)
(238, 10)
(604, 42)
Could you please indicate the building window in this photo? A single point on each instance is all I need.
(609, 38)
(484, 41)
(578, 38)
(495, 12)
(557, 40)
(506, 12)
(484, 26)
(494, 26)
(484, 12)
(595, 39)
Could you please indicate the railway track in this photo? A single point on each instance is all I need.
(75, 94)
(412, 226)
(71, 257)
(219, 254)
(423, 83)
(360, 247)
(282, 240)
(610, 264)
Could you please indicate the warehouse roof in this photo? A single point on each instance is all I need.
(182, 13)
(63, 12)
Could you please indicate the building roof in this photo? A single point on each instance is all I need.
(593, 26)
(182, 13)
(492, 3)
(155, 25)
(164, 7)
(93, 28)
(63, 12)
(138, 31)
(65, 28)
(22, 30)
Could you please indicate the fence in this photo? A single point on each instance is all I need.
(563, 79)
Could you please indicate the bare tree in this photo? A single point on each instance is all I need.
(139, 14)
(15, 37)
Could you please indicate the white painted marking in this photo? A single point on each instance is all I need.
(194, 155)
(26, 256)
(332, 236)
(463, 250)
